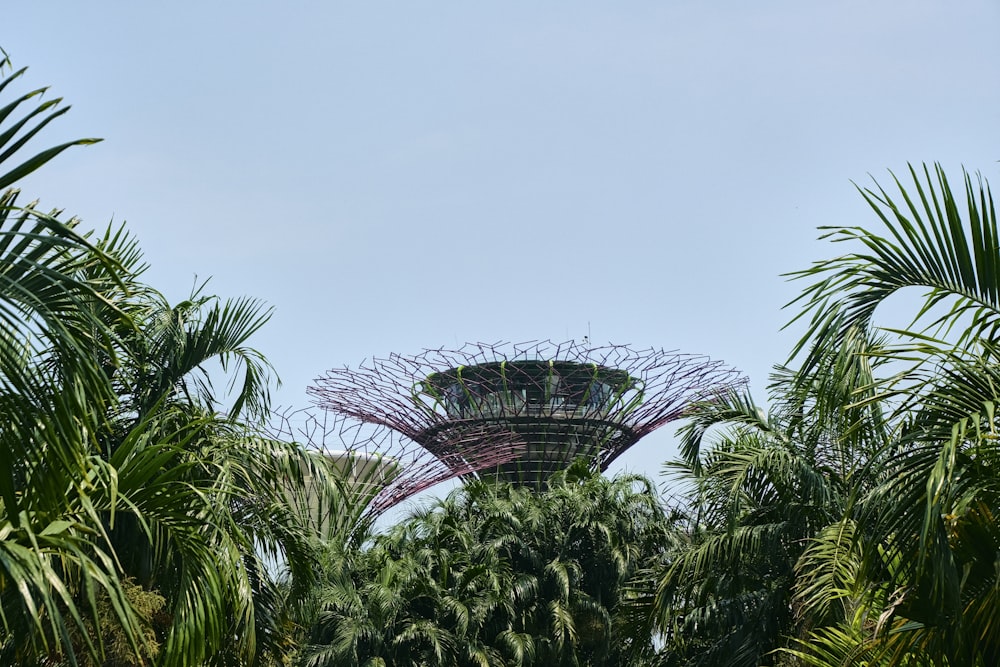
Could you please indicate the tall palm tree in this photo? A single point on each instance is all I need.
(759, 486)
(932, 582)
(134, 511)
(198, 467)
(53, 565)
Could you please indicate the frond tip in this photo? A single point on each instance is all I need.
(931, 240)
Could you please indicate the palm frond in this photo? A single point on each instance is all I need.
(927, 242)
(14, 135)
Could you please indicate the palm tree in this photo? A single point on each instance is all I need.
(931, 583)
(760, 486)
(135, 516)
(497, 575)
(54, 567)
(206, 492)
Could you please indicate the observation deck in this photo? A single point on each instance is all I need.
(558, 410)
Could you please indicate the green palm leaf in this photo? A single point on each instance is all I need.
(14, 135)
(932, 241)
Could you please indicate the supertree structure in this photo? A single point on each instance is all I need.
(521, 412)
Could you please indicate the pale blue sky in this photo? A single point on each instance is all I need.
(394, 176)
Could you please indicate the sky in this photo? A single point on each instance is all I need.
(394, 176)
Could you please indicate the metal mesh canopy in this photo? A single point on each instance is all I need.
(549, 402)
(371, 468)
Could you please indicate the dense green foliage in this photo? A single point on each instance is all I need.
(134, 512)
(852, 522)
(497, 574)
(856, 523)
(766, 485)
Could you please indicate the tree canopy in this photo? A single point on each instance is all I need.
(135, 508)
(498, 574)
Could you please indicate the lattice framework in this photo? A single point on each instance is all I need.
(393, 466)
(477, 406)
